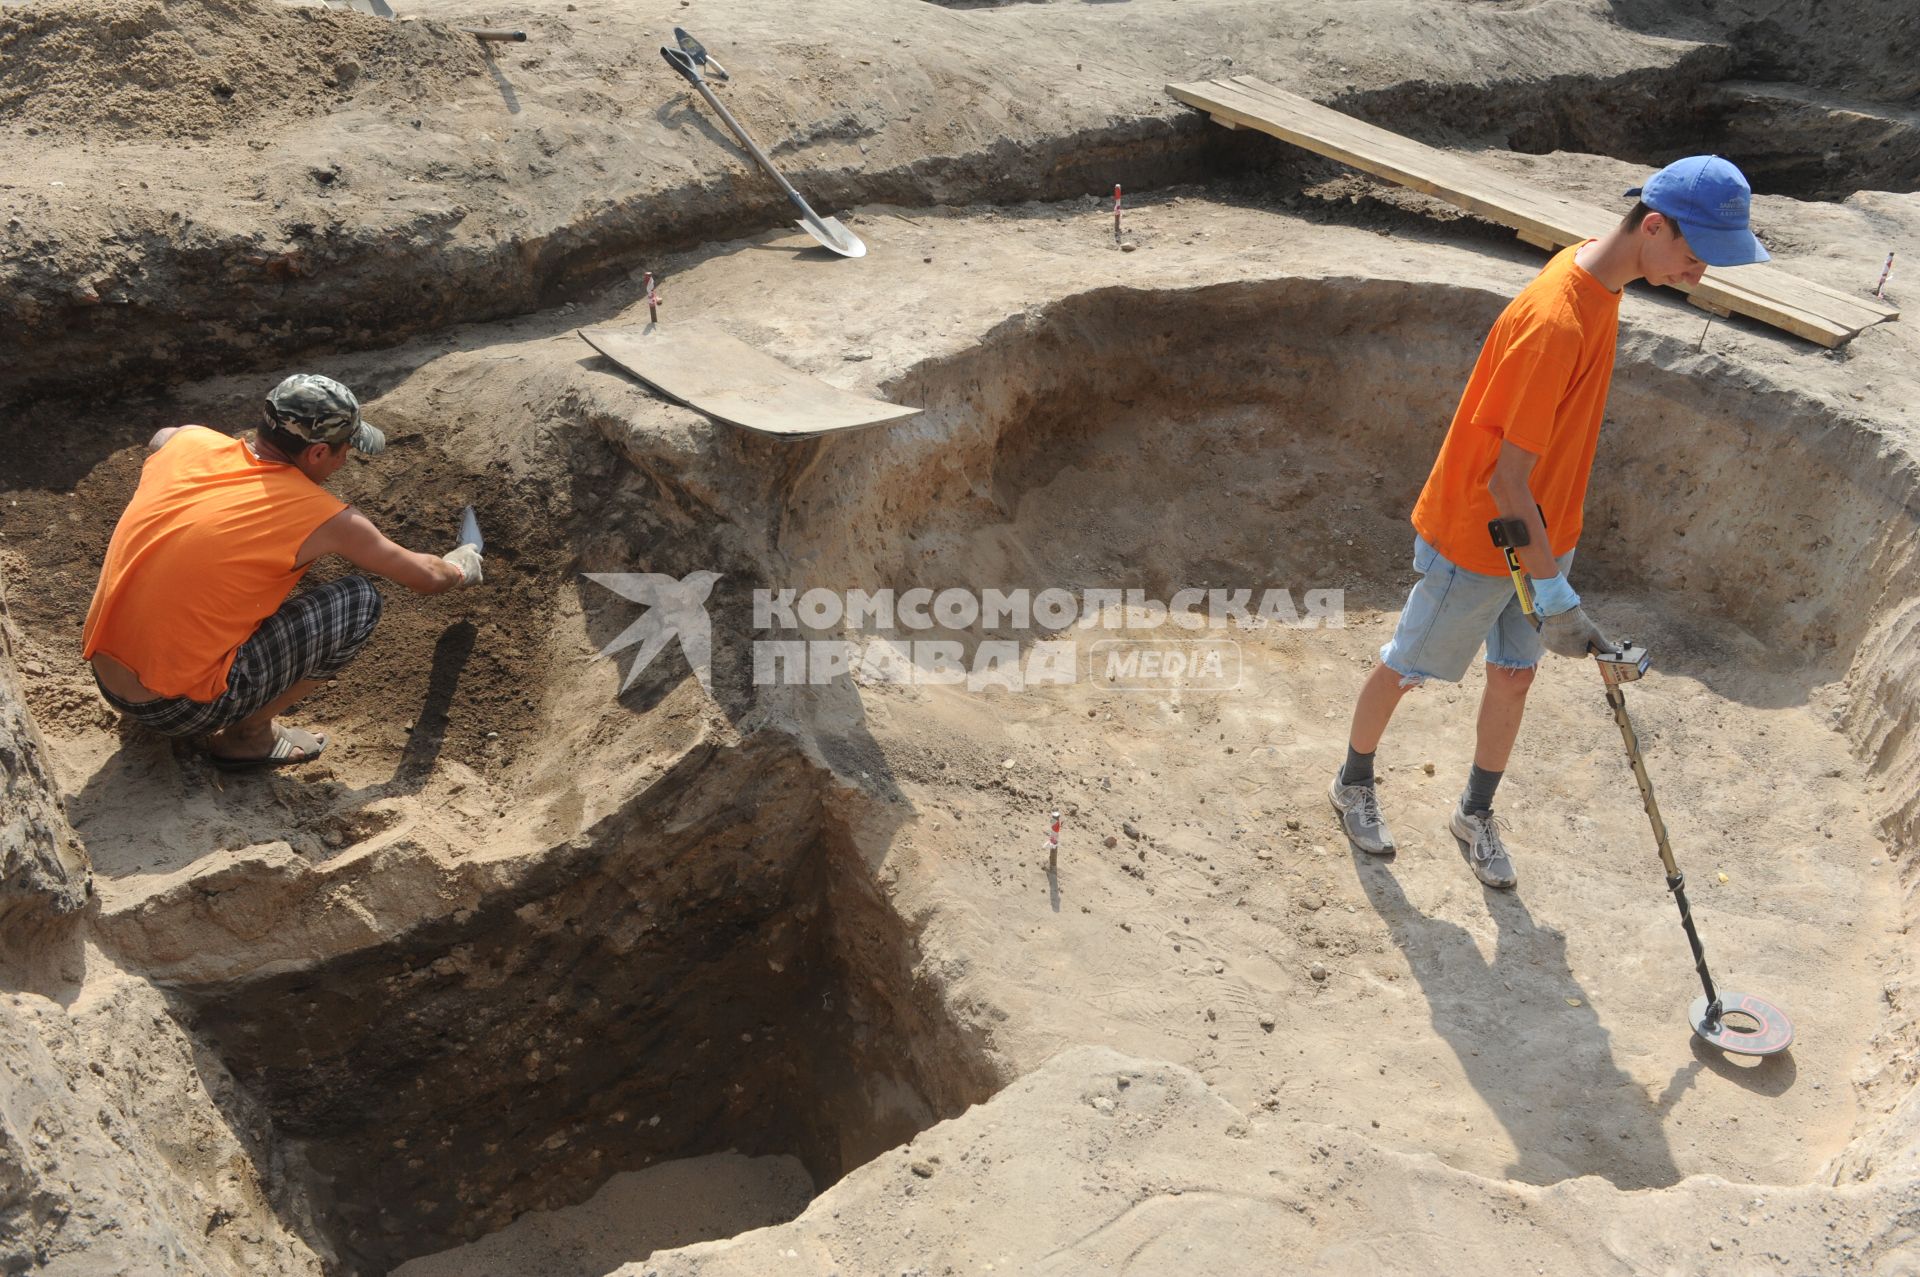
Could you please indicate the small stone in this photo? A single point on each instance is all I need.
(1128, 247)
(1267, 1021)
(1111, 841)
(1311, 903)
(927, 260)
(923, 1169)
(1101, 1104)
(1126, 827)
(493, 735)
(1714, 1242)
(857, 356)
(1317, 971)
(1126, 926)
(1263, 854)
(1005, 764)
(1427, 768)
(1293, 822)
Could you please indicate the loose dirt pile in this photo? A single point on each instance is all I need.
(118, 70)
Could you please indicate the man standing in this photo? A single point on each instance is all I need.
(191, 632)
(1520, 448)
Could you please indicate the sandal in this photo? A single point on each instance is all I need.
(288, 741)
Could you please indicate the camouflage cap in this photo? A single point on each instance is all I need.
(321, 410)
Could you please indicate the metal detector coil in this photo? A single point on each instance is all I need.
(1742, 1024)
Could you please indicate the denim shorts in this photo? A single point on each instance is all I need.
(1451, 613)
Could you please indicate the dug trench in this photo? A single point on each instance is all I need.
(712, 970)
(474, 1005)
(1207, 911)
(685, 957)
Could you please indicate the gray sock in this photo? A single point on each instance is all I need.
(1478, 800)
(1359, 768)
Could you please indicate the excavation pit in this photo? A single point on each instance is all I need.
(1258, 436)
(735, 985)
(611, 891)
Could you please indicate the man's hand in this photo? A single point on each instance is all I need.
(467, 559)
(353, 537)
(1570, 633)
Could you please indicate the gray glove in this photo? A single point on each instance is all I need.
(1570, 633)
(467, 559)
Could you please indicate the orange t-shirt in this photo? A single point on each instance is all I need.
(1540, 384)
(202, 554)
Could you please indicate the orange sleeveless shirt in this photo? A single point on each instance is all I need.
(203, 553)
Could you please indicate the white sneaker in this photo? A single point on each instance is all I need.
(1480, 840)
(1359, 810)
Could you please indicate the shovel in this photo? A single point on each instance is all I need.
(687, 60)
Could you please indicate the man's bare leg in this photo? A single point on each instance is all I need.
(1501, 708)
(252, 736)
(1352, 788)
(1379, 697)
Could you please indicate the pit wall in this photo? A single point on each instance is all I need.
(1713, 486)
(703, 972)
(124, 1146)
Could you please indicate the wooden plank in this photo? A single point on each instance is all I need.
(1708, 306)
(704, 367)
(1224, 122)
(1804, 307)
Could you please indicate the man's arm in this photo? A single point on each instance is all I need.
(1513, 496)
(352, 536)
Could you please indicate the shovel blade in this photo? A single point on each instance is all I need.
(833, 234)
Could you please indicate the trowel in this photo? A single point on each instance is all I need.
(687, 59)
(470, 530)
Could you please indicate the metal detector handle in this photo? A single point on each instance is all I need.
(1509, 535)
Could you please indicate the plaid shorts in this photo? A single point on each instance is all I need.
(313, 635)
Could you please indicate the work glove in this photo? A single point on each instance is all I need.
(1570, 633)
(467, 559)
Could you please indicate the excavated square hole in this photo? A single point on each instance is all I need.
(655, 990)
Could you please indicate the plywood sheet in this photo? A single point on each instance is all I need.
(701, 365)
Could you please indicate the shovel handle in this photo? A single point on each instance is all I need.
(684, 65)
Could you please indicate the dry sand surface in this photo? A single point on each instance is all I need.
(544, 969)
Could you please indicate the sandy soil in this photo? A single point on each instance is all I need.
(1248, 398)
(634, 1213)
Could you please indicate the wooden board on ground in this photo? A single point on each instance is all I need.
(706, 368)
(1825, 315)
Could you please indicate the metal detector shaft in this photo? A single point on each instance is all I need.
(1676, 881)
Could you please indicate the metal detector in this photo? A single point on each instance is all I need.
(1736, 1022)
(687, 60)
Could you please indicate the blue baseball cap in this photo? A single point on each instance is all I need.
(1710, 200)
